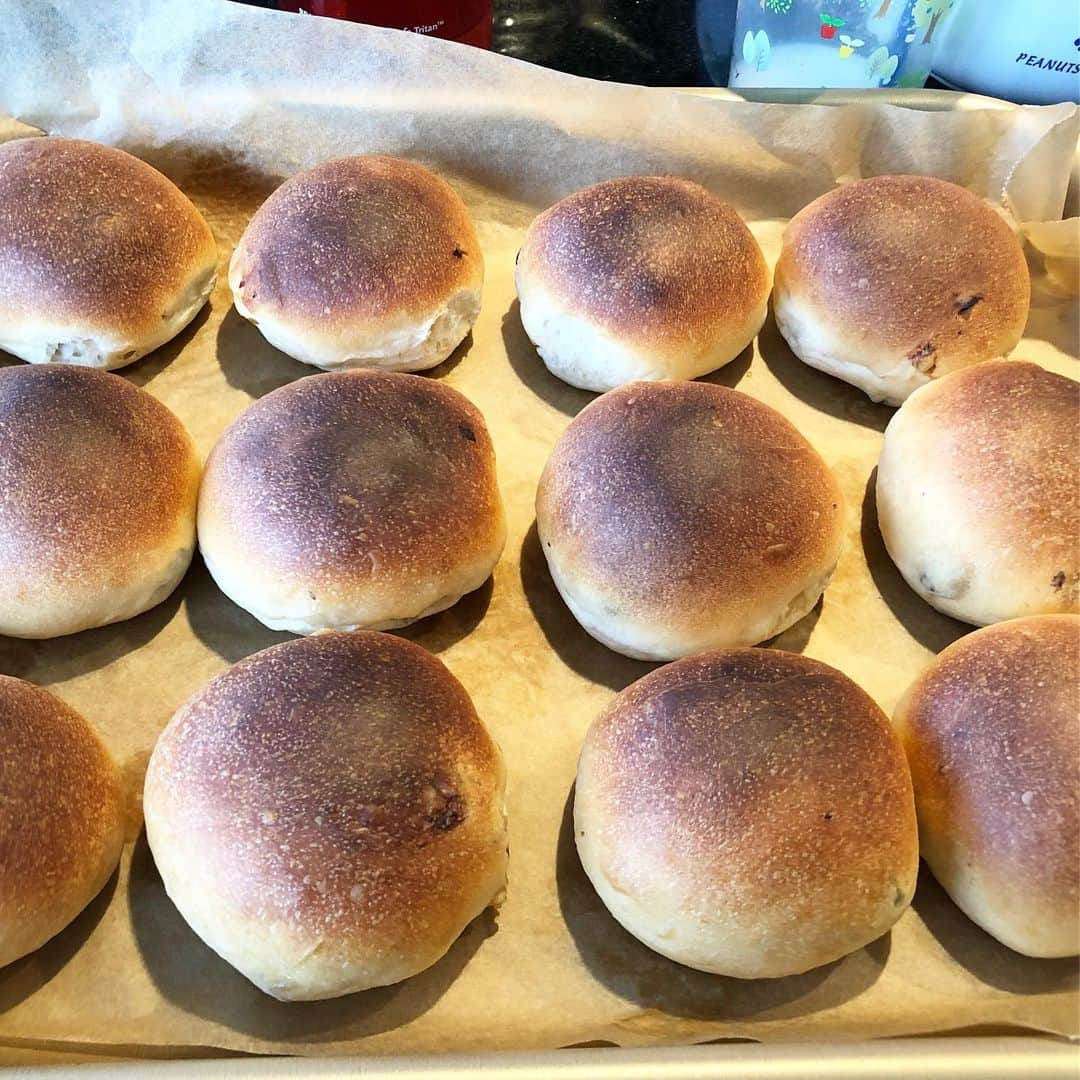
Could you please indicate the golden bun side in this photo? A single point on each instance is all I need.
(61, 816)
(352, 500)
(361, 262)
(328, 814)
(99, 483)
(102, 259)
(681, 517)
(893, 281)
(991, 733)
(976, 492)
(747, 812)
(641, 277)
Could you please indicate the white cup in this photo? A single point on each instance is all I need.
(1023, 52)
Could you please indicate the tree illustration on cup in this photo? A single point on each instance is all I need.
(928, 13)
(756, 50)
(829, 25)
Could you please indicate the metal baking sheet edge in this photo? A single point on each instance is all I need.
(978, 1058)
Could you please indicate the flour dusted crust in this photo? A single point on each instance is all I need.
(641, 277)
(891, 282)
(328, 814)
(361, 262)
(747, 812)
(102, 259)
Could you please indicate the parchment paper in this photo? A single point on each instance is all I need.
(226, 99)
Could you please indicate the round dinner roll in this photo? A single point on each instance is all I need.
(643, 277)
(680, 517)
(328, 814)
(352, 500)
(61, 816)
(101, 258)
(991, 734)
(747, 812)
(362, 262)
(98, 489)
(977, 493)
(891, 282)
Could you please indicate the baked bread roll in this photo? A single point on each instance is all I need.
(61, 816)
(643, 277)
(365, 262)
(991, 734)
(680, 517)
(98, 489)
(890, 282)
(977, 496)
(328, 814)
(101, 258)
(747, 812)
(353, 500)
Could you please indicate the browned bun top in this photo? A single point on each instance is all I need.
(354, 472)
(911, 262)
(1008, 432)
(61, 815)
(93, 472)
(993, 740)
(649, 256)
(91, 234)
(689, 496)
(763, 771)
(357, 237)
(341, 782)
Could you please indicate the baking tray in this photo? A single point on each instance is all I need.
(978, 1058)
(983, 1055)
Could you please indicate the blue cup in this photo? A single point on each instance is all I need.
(823, 43)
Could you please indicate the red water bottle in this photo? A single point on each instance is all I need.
(458, 20)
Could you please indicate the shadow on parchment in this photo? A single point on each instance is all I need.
(651, 981)
(192, 976)
(27, 975)
(526, 362)
(577, 649)
(250, 363)
(1054, 316)
(732, 372)
(926, 625)
(440, 371)
(153, 364)
(823, 392)
(54, 660)
(530, 369)
(583, 653)
(985, 957)
(796, 637)
(233, 634)
(220, 624)
(438, 632)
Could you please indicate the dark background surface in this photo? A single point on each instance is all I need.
(638, 41)
(654, 42)
(651, 42)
